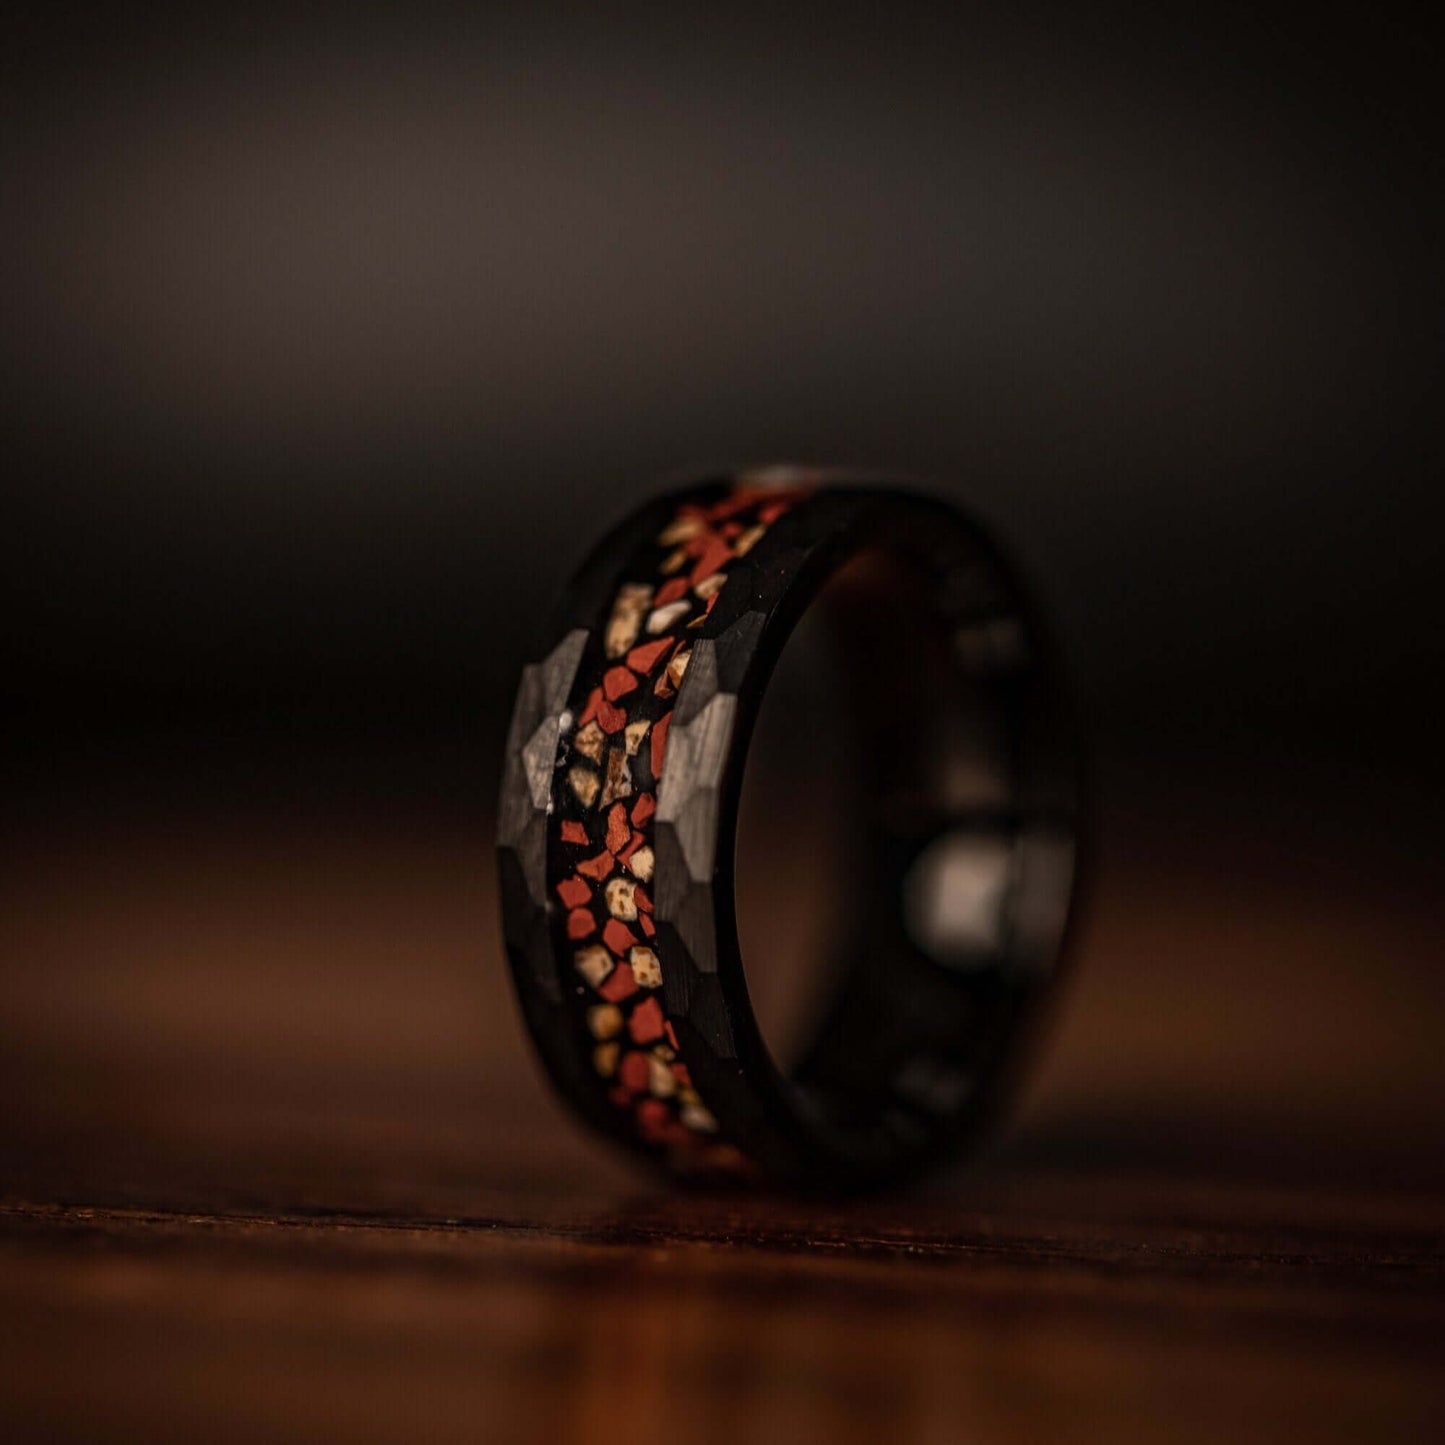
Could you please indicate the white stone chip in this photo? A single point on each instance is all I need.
(646, 968)
(594, 963)
(660, 1081)
(664, 617)
(641, 864)
(695, 1116)
(620, 901)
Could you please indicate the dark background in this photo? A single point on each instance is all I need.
(330, 342)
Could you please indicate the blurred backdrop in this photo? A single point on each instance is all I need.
(331, 341)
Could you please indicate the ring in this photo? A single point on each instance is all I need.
(618, 814)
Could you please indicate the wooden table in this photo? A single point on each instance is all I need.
(275, 1165)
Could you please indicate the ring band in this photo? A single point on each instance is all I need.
(619, 805)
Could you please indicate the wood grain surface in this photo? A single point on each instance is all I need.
(276, 1165)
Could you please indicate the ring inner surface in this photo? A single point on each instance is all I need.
(906, 840)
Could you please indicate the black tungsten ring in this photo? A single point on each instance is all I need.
(619, 807)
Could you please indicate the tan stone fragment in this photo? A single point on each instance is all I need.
(630, 607)
(604, 1058)
(680, 529)
(619, 780)
(711, 583)
(634, 734)
(677, 668)
(590, 740)
(585, 784)
(749, 539)
(605, 1020)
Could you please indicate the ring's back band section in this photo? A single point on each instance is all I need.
(619, 810)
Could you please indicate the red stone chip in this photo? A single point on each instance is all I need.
(738, 500)
(658, 1125)
(617, 830)
(617, 936)
(574, 892)
(644, 658)
(618, 682)
(632, 1072)
(670, 591)
(643, 809)
(646, 1023)
(659, 743)
(580, 923)
(619, 984)
(716, 554)
(652, 1115)
(611, 719)
(574, 833)
(598, 867)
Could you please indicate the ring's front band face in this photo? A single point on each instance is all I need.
(619, 806)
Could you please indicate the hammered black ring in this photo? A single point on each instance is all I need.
(619, 805)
